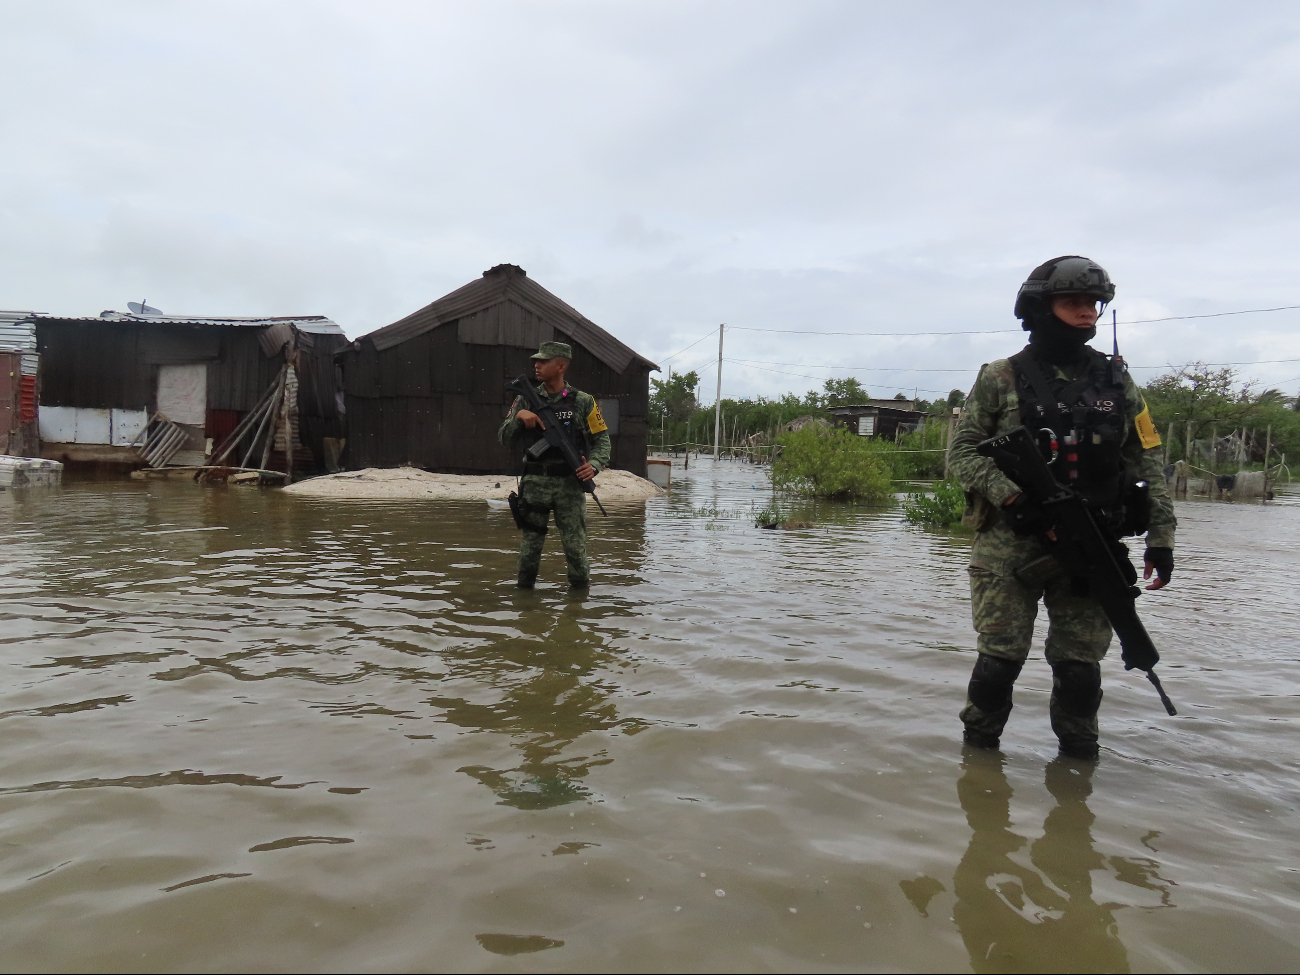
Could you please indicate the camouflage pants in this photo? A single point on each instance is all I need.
(565, 497)
(1004, 609)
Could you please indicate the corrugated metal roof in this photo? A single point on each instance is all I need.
(17, 335)
(314, 324)
(505, 281)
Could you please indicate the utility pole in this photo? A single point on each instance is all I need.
(717, 406)
(663, 412)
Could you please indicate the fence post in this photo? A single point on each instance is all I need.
(952, 425)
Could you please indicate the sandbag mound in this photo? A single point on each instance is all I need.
(411, 483)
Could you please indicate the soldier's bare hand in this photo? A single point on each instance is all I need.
(530, 419)
(586, 472)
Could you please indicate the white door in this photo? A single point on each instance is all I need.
(183, 393)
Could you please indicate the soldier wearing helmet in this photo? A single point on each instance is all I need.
(1073, 394)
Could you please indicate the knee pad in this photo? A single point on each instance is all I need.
(991, 682)
(1077, 687)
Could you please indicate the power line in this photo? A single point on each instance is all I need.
(1003, 331)
(817, 378)
(1217, 314)
(804, 365)
(691, 346)
(808, 365)
(792, 331)
(1256, 362)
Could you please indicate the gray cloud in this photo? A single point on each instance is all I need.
(665, 167)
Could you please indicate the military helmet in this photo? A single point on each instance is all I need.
(1069, 275)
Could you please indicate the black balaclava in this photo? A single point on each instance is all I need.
(1054, 340)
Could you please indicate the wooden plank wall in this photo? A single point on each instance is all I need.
(436, 402)
(107, 365)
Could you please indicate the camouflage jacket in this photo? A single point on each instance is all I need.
(583, 407)
(993, 407)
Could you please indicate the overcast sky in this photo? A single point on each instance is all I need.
(803, 166)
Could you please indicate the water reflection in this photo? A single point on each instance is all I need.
(552, 694)
(1040, 915)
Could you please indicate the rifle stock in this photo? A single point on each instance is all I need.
(553, 432)
(1084, 551)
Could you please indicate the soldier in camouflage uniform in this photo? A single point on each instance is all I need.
(1069, 392)
(549, 484)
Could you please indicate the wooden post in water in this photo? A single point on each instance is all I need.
(1187, 444)
(952, 423)
(1268, 446)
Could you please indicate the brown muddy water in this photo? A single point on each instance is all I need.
(249, 732)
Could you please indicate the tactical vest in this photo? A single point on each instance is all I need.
(1082, 423)
(574, 427)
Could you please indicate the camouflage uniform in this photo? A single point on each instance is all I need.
(1002, 607)
(563, 494)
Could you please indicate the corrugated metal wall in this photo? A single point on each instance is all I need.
(107, 365)
(435, 401)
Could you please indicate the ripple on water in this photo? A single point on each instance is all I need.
(444, 768)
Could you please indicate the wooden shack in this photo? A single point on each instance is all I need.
(104, 379)
(429, 390)
(888, 418)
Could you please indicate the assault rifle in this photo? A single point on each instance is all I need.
(1081, 548)
(553, 429)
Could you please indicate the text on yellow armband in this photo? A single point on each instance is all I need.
(596, 422)
(1147, 432)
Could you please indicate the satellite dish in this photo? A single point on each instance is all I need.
(141, 308)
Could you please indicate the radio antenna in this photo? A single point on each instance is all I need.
(1114, 331)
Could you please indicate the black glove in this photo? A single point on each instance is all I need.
(1024, 517)
(1162, 560)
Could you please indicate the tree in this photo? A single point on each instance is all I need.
(1196, 393)
(674, 398)
(843, 392)
(1208, 398)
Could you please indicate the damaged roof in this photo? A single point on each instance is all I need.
(312, 324)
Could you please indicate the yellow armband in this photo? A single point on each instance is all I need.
(1146, 429)
(596, 422)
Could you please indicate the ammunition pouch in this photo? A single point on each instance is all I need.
(1040, 573)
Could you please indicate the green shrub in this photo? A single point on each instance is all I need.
(944, 509)
(831, 464)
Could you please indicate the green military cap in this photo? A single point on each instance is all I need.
(554, 350)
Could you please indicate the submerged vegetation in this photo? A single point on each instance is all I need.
(827, 463)
(941, 509)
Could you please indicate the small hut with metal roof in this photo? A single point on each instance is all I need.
(137, 388)
(429, 390)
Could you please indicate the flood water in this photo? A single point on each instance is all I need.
(247, 731)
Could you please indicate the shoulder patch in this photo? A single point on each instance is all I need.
(1146, 429)
(596, 422)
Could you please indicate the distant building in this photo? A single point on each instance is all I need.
(888, 418)
(102, 380)
(18, 368)
(429, 390)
